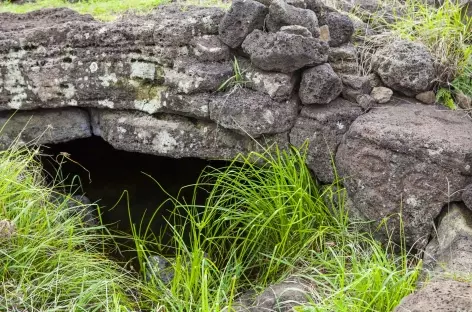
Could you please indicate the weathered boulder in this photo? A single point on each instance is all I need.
(405, 66)
(449, 253)
(283, 51)
(242, 18)
(320, 85)
(439, 296)
(323, 126)
(282, 14)
(278, 86)
(427, 97)
(341, 28)
(407, 158)
(252, 113)
(40, 127)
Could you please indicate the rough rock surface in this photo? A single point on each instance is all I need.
(278, 86)
(323, 126)
(168, 135)
(282, 14)
(242, 18)
(407, 157)
(283, 51)
(449, 253)
(250, 112)
(467, 196)
(49, 126)
(320, 85)
(341, 28)
(282, 297)
(405, 66)
(439, 296)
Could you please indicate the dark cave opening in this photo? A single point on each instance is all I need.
(105, 173)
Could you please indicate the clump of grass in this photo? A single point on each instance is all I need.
(52, 260)
(446, 31)
(236, 80)
(266, 218)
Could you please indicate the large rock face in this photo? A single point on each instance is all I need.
(407, 158)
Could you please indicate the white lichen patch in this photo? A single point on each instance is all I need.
(183, 82)
(143, 70)
(72, 103)
(106, 103)
(93, 67)
(14, 81)
(164, 142)
(108, 79)
(269, 117)
(412, 201)
(340, 125)
(149, 106)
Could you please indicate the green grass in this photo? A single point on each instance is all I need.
(444, 30)
(52, 260)
(105, 10)
(264, 222)
(237, 79)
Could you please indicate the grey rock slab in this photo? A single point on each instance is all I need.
(450, 251)
(299, 30)
(406, 157)
(320, 85)
(283, 14)
(43, 127)
(253, 113)
(167, 135)
(284, 52)
(343, 53)
(323, 126)
(278, 86)
(243, 17)
(341, 28)
(427, 97)
(405, 66)
(439, 296)
(188, 76)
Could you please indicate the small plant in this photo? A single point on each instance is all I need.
(444, 96)
(237, 79)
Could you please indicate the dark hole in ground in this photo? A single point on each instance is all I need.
(113, 171)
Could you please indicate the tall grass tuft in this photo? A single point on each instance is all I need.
(266, 218)
(50, 259)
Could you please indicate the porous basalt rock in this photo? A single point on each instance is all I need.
(405, 66)
(284, 52)
(242, 18)
(320, 85)
(282, 14)
(407, 158)
(341, 28)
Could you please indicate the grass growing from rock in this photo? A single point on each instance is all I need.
(105, 10)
